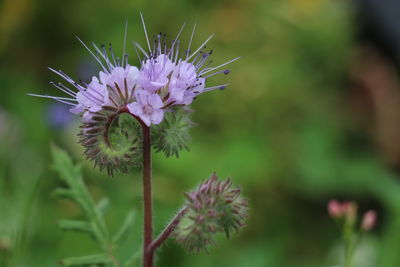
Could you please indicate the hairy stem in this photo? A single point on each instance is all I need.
(148, 255)
(167, 231)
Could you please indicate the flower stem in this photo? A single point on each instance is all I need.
(167, 231)
(147, 198)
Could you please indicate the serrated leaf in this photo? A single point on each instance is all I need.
(126, 225)
(76, 225)
(87, 260)
(71, 174)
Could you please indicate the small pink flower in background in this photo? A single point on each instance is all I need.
(346, 216)
(335, 208)
(338, 210)
(148, 107)
(369, 220)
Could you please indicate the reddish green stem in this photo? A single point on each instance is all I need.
(148, 255)
(167, 231)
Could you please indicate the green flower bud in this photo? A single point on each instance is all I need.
(172, 135)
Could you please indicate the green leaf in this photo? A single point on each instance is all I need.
(87, 260)
(134, 260)
(75, 225)
(126, 225)
(63, 193)
(103, 206)
(71, 174)
(76, 191)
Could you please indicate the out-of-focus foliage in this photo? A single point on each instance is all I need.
(285, 128)
(93, 222)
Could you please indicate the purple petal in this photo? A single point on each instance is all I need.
(135, 108)
(145, 119)
(157, 116)
(155, 101)
(141, 96)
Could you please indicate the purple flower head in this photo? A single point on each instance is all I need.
(170, 77)
(166, 79)
(148, 107)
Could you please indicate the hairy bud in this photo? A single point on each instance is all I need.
(215, 206)
(172, 135)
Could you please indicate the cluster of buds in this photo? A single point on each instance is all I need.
(347, 210)
(167, 79)
(214, 207)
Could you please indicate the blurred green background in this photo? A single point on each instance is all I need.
(311, 114)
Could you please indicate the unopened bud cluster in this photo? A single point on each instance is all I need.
(215, 206)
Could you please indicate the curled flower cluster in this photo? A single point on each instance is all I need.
(215, 206)
(166, 78)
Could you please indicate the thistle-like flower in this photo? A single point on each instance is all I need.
(215, 206)
(167, 78)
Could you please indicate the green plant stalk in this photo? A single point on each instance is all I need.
(351, 238)
(348, 253)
